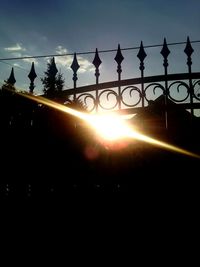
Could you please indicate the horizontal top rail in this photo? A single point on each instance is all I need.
(132, 81)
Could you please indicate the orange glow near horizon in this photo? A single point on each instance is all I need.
(109, 127)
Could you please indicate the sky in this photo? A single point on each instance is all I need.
(43, 27)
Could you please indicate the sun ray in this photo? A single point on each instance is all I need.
(108, 127)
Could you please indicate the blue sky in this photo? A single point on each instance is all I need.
(49, 27)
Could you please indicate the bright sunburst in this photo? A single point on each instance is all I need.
(110, 127)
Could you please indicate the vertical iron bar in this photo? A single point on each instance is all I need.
(97, 99)
(188, 51)
(97, 62)
(165, 53)
(141, 55)
(191, 89)
(74, 88)
(75, 66)
(119, 58)
(142, 86)
(32, 75)
(119, 87)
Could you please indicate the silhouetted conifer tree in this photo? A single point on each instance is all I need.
(9, 83)
(53, 81)
(60, 82)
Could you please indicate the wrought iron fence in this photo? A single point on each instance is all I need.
(128, 95)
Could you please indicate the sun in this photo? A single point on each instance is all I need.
(110, 127)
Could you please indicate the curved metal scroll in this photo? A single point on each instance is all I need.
(109, 92)
(154, 87)
(179, 85)
(131, 90)
(84, 97)
(197, 93)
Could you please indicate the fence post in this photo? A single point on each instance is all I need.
(119, 58)
(188, 51)
(141, 55)
(165, 53)
(97, 62)
(75, 66)
(32, 75)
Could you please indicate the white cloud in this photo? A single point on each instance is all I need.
(30, 60)
(16, 47)
(61, 50)
(85, 65)
(17, 65)
(16, 54)
(66, 61)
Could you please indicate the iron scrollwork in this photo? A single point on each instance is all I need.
(108, 93)
(131, 90)
(84, 97)
(179, 85)
(154, 86)
(197, 93)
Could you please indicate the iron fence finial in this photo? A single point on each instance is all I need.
(11, 80)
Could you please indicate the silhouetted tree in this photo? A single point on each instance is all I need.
(7, 86)
(10, 82)
(60, 82)
(53, 81)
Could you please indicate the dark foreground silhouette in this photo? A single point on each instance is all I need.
(48, 154)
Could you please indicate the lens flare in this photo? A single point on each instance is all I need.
(109, 127)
